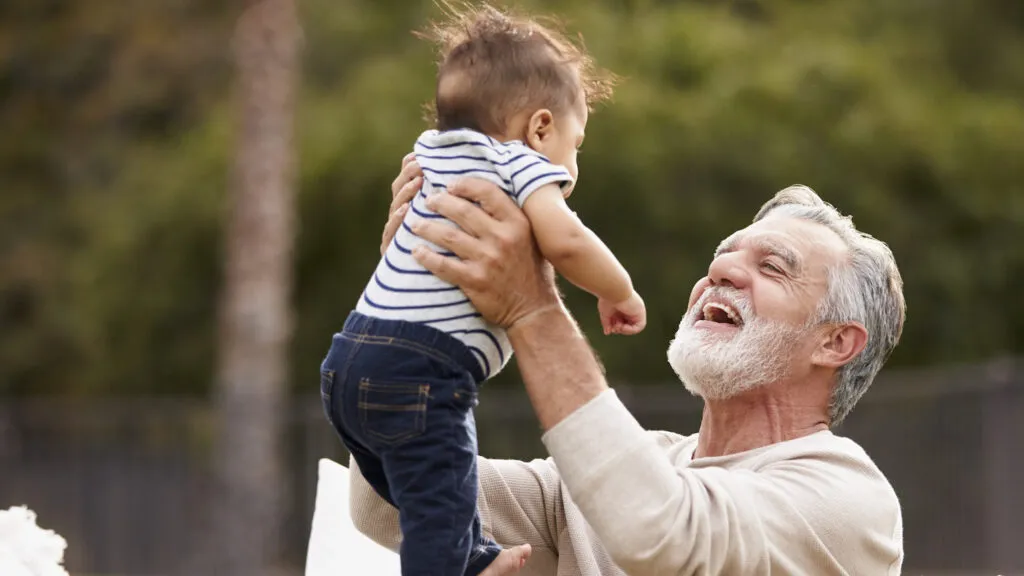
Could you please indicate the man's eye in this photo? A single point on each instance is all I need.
(771, 267)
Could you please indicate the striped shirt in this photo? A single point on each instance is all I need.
(401, 289)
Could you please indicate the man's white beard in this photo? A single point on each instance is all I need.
(717, 366)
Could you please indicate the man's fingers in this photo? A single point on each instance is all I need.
(469, 217)
(391, 228)
(492, 199)
(449, 238)
(410, 170)
(406, 193)
(444, 267)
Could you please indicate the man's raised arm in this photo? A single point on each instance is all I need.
(652, 516)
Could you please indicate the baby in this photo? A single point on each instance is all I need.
(400, 381)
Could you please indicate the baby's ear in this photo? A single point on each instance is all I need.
(540, 127)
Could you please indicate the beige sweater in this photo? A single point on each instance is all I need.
(614, 499)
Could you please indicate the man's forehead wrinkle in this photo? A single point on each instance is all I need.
(766, 242)
(817, 238)
(788, 254)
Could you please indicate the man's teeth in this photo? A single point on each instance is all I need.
(710, 307)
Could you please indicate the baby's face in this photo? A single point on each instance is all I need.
(566, 140)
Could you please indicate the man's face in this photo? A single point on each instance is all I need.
(749, 322)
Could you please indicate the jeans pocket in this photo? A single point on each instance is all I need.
(392, 412)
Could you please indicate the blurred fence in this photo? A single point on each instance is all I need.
(124, 480)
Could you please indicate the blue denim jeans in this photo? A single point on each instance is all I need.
(401, 396)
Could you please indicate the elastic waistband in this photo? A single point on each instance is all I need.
(434, 340)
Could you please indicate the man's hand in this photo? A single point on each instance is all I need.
(403, 190)
(499, 266)
(627, 317)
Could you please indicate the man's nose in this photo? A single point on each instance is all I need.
(729, 270)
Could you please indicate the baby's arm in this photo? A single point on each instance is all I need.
(575, 251)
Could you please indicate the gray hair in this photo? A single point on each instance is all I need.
(866, 288)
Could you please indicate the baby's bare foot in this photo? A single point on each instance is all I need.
(509, 561)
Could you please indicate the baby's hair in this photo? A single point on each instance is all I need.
(494, 64)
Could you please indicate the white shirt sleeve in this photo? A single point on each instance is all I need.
(529, 170)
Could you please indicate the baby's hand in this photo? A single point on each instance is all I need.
(627, 317)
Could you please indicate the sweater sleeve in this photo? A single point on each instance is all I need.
(519, 503)
(656, 518)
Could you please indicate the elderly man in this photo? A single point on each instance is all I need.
(797, 314)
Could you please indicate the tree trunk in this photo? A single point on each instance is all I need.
(256, 319)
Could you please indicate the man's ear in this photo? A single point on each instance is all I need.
(539, 128)
(840, 345)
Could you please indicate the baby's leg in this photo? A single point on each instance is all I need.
(338, 405)
(485, 551)
(433, 479)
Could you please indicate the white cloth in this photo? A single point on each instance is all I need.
(26, 549)
(336, 548)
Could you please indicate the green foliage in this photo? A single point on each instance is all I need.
(118, 133)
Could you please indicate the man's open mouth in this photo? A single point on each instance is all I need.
(721, 314)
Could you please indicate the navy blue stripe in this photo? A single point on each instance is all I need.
(420, 307)
(405, 250)
(482, 356)
(423, 214)
(463, 143)
(403, 270)
(420, 290)
(535, 178)
(443, 187)
(478, 158)
(501, 353)
(465, 171)
(473, 315)
(527, 167)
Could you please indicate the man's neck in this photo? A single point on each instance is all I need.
(769, 415)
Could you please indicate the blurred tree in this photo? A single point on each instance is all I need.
(255, 308)
(116, 144)
(84, 87)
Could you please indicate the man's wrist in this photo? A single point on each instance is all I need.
(538, 319)
(559, 368)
